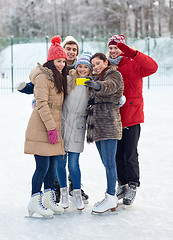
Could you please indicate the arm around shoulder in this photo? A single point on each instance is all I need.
(23, 87)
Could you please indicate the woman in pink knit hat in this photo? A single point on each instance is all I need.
(43, 135)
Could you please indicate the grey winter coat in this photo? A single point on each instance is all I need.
(74, 119)
(104, 120)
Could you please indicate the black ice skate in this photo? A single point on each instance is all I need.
(57, 191)
(130, 193)
(121, 190)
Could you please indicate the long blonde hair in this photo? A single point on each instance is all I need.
(72, 82)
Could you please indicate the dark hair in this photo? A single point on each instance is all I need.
(72, 42)
(100, 56)
(60, 79)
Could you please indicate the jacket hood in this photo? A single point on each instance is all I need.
(41, 70)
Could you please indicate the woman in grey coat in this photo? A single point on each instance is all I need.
(104, 122)
(74, 114)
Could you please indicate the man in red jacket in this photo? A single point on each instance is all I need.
(133, 65)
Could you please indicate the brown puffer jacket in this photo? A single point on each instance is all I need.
(45, 116)
(104, 120)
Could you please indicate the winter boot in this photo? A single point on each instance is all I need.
(57, 191)
(77, 199)
(64, 197)
(84, 195)
(130, 193)
(49, 202)
(121, 190)
(108, 203)
(36, 206)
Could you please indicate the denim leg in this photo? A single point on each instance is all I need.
(107, 150)
(50, 175)
(75, 173)
(61, 170)
(42, 166)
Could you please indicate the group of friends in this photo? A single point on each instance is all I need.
(108, 108)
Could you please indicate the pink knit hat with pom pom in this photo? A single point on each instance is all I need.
(56, 51)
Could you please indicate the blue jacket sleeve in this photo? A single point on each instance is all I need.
(28, 89)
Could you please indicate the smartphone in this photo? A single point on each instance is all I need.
(80, 81)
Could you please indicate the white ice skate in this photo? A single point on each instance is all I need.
(64, 198)
(36, 207)
(77, 199)
(109, 203)
(49, 202)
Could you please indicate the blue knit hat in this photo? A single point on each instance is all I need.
(84, 58)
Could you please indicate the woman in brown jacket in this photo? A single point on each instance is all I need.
(43, 134)
(104, 122)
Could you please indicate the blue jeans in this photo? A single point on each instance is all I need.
(45, 171)
(73, 166)
(107, 150)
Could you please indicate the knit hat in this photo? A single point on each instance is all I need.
(56, 51)
(84, 58)
(116, 39)
(70, 39)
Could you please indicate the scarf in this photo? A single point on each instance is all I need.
(72, 66)
(115, 61)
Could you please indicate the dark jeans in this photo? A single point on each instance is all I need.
(127, 155)
(46, 168)
(107, 150)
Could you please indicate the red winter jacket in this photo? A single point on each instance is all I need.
(133, 70)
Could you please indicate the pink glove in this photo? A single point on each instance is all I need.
(128, 52)
(53, 136)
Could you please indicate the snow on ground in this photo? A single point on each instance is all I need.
(149, 218)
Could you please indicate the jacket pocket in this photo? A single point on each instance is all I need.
(80, 129)
(134, 102)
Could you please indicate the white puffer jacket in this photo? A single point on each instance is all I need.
(74, 119)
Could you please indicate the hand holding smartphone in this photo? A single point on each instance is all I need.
(81, 81)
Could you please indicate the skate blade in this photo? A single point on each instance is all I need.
(38, 217)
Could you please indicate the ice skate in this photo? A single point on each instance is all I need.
(77, 199)
(36, 207)
(49, 202)
(85, 197)
(57, 191)
(121, 190)
(64, 197)
(109, 203)
(130, 193)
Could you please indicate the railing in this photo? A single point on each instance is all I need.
(163, 77)
(12, 70)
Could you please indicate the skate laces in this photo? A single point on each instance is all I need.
(52, 198)
(101, 202)
(121, 188)
(78, 197)
(130, 193)
(40, 202)
(64, 197)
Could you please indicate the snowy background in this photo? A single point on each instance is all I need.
(26, 56)
(149, 218)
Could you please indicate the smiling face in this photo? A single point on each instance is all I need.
(59, 64)
(72, 52)
(98, 65)
(83, 70)
(114, 51)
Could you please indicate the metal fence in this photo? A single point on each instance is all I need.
(12, 73)
(162, 78)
